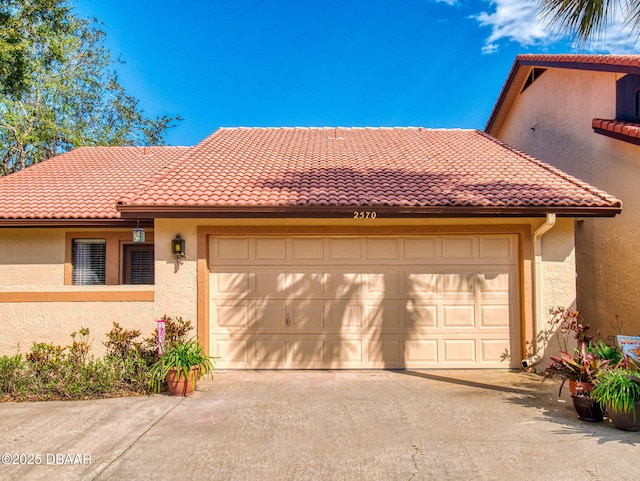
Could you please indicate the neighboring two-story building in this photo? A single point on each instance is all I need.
(581, 113)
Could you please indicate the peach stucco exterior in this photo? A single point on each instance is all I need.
(552, 120)
(37, 305)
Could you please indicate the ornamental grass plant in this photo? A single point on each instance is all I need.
(618, 389)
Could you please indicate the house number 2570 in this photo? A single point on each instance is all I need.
(362, 214)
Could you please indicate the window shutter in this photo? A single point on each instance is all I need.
(139, 264)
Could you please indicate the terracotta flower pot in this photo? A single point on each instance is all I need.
(579, 386)
(179, 385)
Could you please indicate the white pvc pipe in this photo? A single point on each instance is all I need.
(538, 307)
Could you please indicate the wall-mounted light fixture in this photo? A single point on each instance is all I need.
(177, 250)
(177, 246)
(138, 234)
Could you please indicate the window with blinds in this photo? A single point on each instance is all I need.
(139, 264)
(89, 261)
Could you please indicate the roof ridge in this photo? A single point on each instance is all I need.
(555, 171)
(327, 127)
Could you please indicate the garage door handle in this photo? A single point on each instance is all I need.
(288, 320)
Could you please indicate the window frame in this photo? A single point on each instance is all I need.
(85, 253)
(114, 268)
(127, 262)
(627, 90)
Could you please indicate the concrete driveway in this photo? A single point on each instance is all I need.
(321, 425)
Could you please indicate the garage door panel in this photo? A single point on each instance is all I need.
(233, 284)
(344, 250)
(495, 316)
(385, 352)
(421, 316)
(458, 248)
(307, 249)
(233, 353)
(269, 316)
(232, 315)
(421, 283)
(345, 284)
(385, 316)
(492, 349)
(457, 351)
(422, 352)
(230, 249)
(307, 316)
(268, 352)
(383, 248)
(305, 353)
(345, 316)
(421, 248)
(388, 284)
(496, 248)
(269, 284)
(343, 352)
(458, 316)
(495, 282)
(270, 249)
(463, 282)
(309, 285)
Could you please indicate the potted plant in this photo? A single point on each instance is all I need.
(181, 365)
(580, 370)
(577, 368)
(619, 390)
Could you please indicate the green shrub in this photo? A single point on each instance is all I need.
(50, 371)
(11, 368)
(121, 342)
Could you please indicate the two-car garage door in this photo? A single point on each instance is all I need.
(363, 302)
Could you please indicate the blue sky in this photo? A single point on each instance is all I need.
(436, 64)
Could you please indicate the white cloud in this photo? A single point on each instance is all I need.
(513, 20)
(517, 21)
(619, 37)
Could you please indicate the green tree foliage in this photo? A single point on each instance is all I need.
(586, 19)
(58, 88)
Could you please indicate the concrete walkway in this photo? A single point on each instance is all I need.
(322, 425)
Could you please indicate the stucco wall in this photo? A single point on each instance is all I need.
(560, 105)
(37, 306)
(33, 257)
(26, 322)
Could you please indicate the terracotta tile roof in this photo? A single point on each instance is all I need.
(523, 64)
(372, 167)
(83, 183)
(284, 169)
(629, 131)
(584, 61)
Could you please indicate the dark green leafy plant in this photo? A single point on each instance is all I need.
(618, 389)
(182, 356)
(606, 352)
